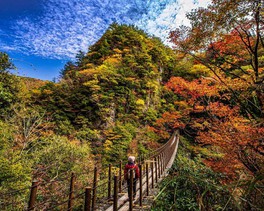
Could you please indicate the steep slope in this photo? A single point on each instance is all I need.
(119, 79)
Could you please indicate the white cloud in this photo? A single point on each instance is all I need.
(188, 5)
(171, 17)
(67, 26)
(162, 23)
(6, 48)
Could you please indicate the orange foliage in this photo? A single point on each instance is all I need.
(202, 112)
(230, 45)
(225, 165)
(238, 139)
(193, 89)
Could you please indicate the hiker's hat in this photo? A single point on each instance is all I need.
(131, 159)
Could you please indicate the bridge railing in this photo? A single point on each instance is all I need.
(152, 167)
(105, 189)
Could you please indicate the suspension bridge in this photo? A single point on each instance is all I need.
(106, 190)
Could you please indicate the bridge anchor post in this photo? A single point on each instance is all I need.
(33, 195)
(87, 205)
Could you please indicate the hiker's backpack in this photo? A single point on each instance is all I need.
(133, 172)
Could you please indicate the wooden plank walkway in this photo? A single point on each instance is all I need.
(123, 202)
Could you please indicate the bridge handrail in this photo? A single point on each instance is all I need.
(154, 153)
(152, 166)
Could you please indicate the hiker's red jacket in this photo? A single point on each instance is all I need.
(131, 166)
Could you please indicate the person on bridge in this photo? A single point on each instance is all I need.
(132, 166)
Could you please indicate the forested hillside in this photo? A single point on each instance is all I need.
(127, 95)
(98, 112)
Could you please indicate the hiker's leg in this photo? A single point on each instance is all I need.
(134, 187)
(128, 187)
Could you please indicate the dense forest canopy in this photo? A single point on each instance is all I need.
(129, 92)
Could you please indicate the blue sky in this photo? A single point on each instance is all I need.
(40, 36)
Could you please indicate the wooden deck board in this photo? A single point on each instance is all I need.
(123, 202)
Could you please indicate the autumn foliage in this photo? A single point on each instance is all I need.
(204, 112)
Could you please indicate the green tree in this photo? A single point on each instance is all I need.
(5, 63)
(15, 174)
(9, 85)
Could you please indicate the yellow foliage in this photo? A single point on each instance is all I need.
(153, 85)
(181, 104)
(133, 79)
(237, 83)
(114, 60)
(199, 68)
(102, 68)
(89, 72)
(108, 145)
(206, 152)
(116, 50)
(126, 50)
(89, 66)
(75, 142)
(198, 125)
(199, 108)
(95, 87)
(95, 98)
(47, 91)
(36, 91)
(140, 102)
(115, 137)
(91, 83)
